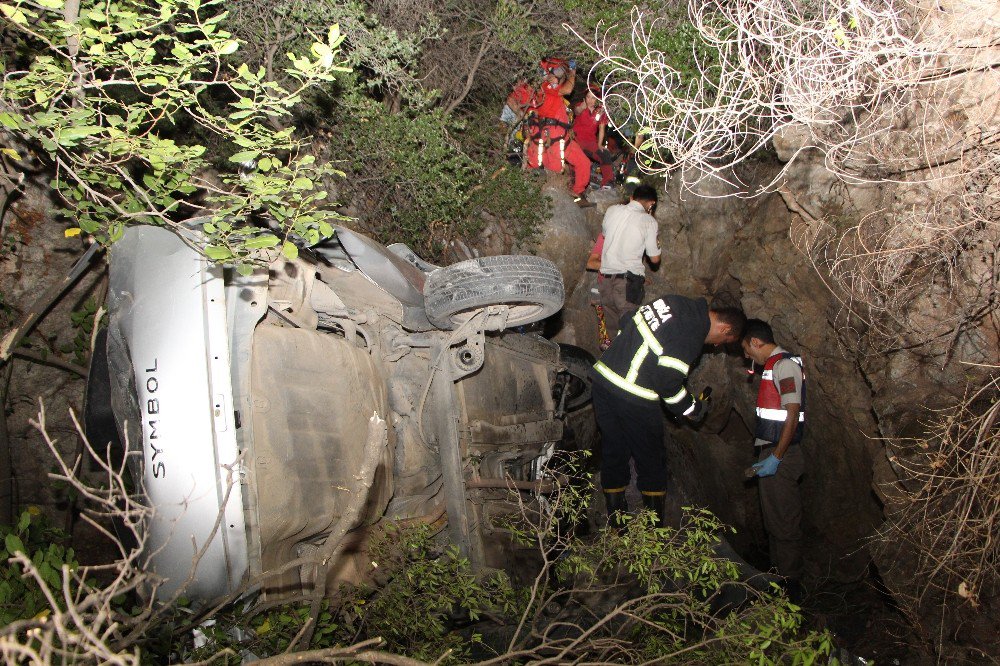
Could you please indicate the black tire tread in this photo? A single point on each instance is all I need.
(496, 280)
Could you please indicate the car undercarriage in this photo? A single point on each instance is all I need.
(245, 402)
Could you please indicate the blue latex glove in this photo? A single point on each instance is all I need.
(768, 466)
(572, 64)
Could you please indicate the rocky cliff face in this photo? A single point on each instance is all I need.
(739, 251)
(873, 379)
(36, 255)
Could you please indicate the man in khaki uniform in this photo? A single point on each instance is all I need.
(778, 432)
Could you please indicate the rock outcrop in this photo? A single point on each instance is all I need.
(37, 254)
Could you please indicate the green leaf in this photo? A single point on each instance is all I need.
(13, 544)
(244, 156)
(217, 252)
(262, 241)
(289, 250)
(322, 50)
(9, 121)
(229, 47)
(77, 132)
(13, 13)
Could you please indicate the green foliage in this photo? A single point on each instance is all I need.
(411, 180)
(772, 634)
(672, 33)
(82, 321)
(110, 100)
(21, 595)
(669, 38)
(644, 594)
(384, 58)
(657, 592)
(427, 588)
(681, 576)
(133, 107)
(421, 590)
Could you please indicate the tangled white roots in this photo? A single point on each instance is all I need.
(845, 71)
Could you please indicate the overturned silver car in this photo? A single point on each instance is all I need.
(245, 400)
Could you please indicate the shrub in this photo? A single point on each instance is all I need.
(410, 180)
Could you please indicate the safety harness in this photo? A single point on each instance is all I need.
(540, 134)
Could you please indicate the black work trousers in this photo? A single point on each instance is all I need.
(630, 429)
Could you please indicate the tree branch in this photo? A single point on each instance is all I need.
(471, 75)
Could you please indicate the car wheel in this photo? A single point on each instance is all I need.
(531, 286)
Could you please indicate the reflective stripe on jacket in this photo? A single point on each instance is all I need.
(652, 355)
(770, 414)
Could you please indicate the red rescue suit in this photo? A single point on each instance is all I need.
(770, 414)
(586, 127)
(548, 144)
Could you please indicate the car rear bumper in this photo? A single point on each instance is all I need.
(168, 340)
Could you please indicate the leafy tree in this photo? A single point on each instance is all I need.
(383, 56)
(108, 97)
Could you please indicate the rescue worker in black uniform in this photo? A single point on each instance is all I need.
(648, 362)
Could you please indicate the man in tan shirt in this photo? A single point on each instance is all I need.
(780, 424)
(629, 233)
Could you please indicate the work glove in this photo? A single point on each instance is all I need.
(699, 412)
(768, 466)
(572, 64)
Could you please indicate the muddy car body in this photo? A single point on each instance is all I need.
(246, 399)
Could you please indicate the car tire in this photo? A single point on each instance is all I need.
(531, 286)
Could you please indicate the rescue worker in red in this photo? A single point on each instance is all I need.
(644, 371)
(550, 144)
(519, 101)
(589, 127)
(781, 405)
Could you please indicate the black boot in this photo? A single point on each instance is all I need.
(617, 508)
(656, 504)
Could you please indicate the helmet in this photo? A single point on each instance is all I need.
(557, 66)
(596, 91)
